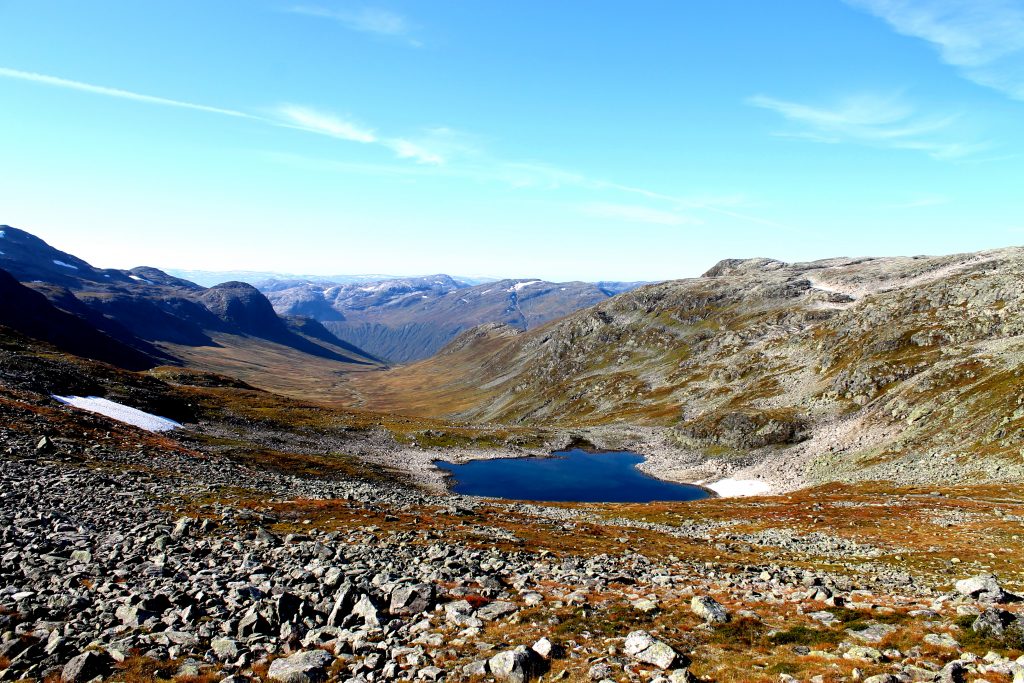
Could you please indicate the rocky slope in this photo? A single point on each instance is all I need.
(893, 368)
(411, 318)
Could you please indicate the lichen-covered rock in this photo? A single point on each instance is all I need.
(709, 609)
(302, 667)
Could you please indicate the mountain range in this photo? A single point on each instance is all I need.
(407, 319)
(209, 278)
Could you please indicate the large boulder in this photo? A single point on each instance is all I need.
(708, 609)
(514, 666)
(86, 667)
(983, 587)
(496, 610)
(367, 611)
(409, 600)
(344, 600)
(643, 647)
(992, 623)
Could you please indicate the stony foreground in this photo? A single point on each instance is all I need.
(147, 563)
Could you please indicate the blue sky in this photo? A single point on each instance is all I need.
(567, 140)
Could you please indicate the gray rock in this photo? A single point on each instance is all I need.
(545, 649)
(225, 649)
(682, 676)
(708, 609)
(252, 624)
(873, 634)
(409, 600)
(992, 622)
(862, 652)
(824, 617)
(87, 666)
(515, 666)
(496, 610)
(430, 673)
(181, 528)
(288, 607)
(367, 611)
(641, 646)
(954, 672)
(303, 667)
(458, 612)
(344, 600)
(475, 668)
(943, 640)
(81, 556)
(983, 587)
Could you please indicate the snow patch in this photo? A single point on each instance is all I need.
(522, 285)
(119, 412)
(735, 488)
(3, 234)
(64, 265)
(140, 279)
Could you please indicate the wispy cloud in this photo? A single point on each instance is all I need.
(407, 149)
(871, 120)
(632, 213)
(437, 150)
(984, 39)
(373, 20)
(325, 123)
(116, 92)
(314, 121)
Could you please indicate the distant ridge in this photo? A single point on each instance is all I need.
(261, 278)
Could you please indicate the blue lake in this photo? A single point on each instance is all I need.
(568, 476)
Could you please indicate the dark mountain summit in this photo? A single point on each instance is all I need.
(243, 307)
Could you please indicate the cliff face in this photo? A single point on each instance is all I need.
(862, 366)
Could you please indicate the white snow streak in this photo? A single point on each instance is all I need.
(734, 488)
(119, 412)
